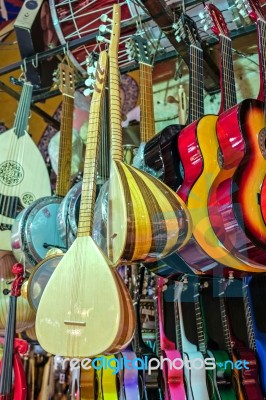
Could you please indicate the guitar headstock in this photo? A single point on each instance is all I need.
(18, 271)
(186, 29)
(114, 32)
(91, 64)
(66, 77)
(213, 18)
(138, 48)
(250, 8)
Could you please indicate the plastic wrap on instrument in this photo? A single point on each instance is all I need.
(139, 163)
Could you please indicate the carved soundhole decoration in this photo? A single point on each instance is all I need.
(27, 198)
(11, 173)
(262, 142)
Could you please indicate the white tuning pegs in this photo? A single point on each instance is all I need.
(178, 38)
(103, 29)
(103, 39)
(89, 82)
(104, 18)
(91, 69)
(88, 92)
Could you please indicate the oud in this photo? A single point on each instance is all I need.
(20, 182)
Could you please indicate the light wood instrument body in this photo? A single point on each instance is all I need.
(23, 178)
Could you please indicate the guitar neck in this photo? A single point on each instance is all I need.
(147, 126)
(65, 147)
(177, 328)
(114, 91)
(7, 360)
(228, 88)
(23, 110)
(261, 29)
(157, 328)
(225, 324)
(199, 323)
(248, 316)
(196, 88)
(166, 344)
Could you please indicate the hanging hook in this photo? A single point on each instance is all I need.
(35, 62)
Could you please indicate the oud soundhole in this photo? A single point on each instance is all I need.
(262, 142)
(11, 173)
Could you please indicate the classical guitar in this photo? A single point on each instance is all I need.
(11, 363)
(199, 157)
(160, 152)
(146, 220)
(35, 230)
(195, 378)
(254, 300)
(245, 381)
(75, 332)
(174, 388)
(23, 179)
(219, 380)
(234, 208)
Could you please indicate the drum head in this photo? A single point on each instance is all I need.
(39, 278)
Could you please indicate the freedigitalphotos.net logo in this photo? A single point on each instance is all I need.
(150, 364)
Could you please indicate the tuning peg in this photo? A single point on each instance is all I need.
(104, 29)
(88, 91)
(89, 82)
(91, 69)
(104, 18)
(202, 16)
(103, 39)
(178, 38)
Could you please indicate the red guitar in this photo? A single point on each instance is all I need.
(234, 205)
(11, 361)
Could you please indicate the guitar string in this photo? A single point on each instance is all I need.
(15, 148)
(227, 71)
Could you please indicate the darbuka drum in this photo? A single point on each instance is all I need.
(75, 19)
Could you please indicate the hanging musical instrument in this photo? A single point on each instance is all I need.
(11, 363)
(200, 160)
(195, 378)
(23, 179)
(219, 380)
(146, 220)
(174, 387)
(35, 230)
(234, 209)
(245, 381)
(254, 296)
(75, 332)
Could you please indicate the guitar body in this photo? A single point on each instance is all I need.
(135, 200)
(173, 378)
(81, 278)
(195, 378)
(234, 208)
(36, 228)
(161, 155)
(106, 380)
(246, 381)
(201, 166)
(23, 179)
(129, 387)
(219, 381)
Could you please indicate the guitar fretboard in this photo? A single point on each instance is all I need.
(261, 27)
(199, 323)
(23, 110)
(249, 323)
(228, 89)
(225, 325)
(196, 89)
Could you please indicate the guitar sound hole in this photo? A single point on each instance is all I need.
(262, 142)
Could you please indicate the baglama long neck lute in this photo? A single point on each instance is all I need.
(87, 293)
(146, 220)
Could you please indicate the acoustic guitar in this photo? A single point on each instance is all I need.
(20, 182)
(245, 381)
(13, 380)
(200, 150)
(234, 209)
(75, 332)
(174, 387)
(35, 230)
(195, 378)
(146, 220)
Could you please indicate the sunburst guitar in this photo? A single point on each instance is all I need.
(234, 199)
(89, 318)
(23, 173)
